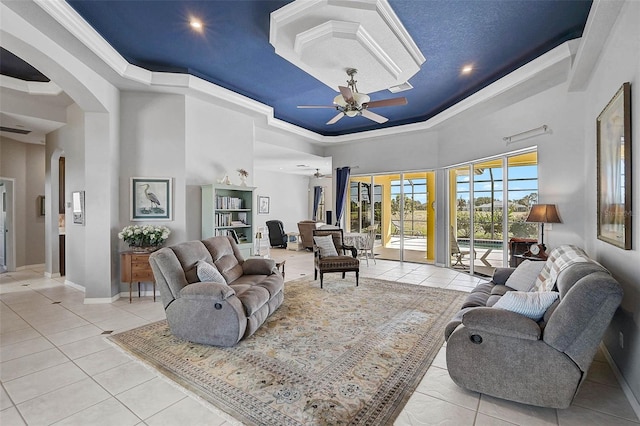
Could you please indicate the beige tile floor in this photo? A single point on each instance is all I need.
(57, 368)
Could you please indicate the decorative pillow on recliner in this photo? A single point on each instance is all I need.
(209, 273)
(326, 246)
(530, 304)
(525, 275)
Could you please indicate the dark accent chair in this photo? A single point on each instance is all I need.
(341, 263)
(306, 228)
(277, 237)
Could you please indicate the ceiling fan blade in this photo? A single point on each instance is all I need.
(317, 106)
(373, 116)
(336, 118)
(347, 94)
(385, 102)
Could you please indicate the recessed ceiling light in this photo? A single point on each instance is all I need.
(467, 69)
(196, 24)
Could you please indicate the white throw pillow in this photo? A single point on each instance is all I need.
(525, 275)
(530, 304)
(326, 246)
(209, 273)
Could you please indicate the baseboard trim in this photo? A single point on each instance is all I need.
(134, 295)
(52, 274)
(23, 267)
(635, 404)
(98, 300)
(74, 285)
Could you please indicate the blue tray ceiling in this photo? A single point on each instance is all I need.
(233, 51)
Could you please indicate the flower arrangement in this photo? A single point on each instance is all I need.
(144, 235)
(243, 176)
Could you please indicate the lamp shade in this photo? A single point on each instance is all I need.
(544, 213)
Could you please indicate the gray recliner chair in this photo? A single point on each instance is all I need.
(507, 355)
(221, 310)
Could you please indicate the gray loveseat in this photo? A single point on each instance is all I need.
(504, 354)
(221, 311)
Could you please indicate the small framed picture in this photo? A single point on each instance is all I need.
(263, 205)
(77, 198)
(151, 198)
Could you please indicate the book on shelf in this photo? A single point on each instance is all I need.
(223, 219)
(237, 223)
(229, 203)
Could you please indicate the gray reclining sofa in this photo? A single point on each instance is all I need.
(507, 355)
(225, 309)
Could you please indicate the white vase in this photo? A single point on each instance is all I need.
(243, 180)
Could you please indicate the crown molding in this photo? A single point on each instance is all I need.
(30, 87)
(71, 20)
(602, 17)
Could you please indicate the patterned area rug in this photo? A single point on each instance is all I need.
(341, 355)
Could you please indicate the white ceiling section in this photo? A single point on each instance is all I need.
(325, 37)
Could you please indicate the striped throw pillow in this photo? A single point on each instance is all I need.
(326, 246)
(530, 304)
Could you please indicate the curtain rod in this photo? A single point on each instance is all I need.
(527, 134)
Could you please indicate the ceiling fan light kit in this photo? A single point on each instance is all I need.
(352, 103)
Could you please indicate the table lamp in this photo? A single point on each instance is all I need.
(543, 213)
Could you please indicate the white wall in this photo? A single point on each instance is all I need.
(25, 163)
(288, 195)
(152, 139)
(412, 151)
(218, 142)
(618, 63)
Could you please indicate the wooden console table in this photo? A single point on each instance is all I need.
(135, 267)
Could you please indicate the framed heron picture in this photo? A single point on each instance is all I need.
(151, 198)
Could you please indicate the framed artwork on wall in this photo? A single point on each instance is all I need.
(263, 205)
(614, 170)
(151, 198)
(77, 206)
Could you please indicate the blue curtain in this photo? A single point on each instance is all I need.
(342, 182)
(317, 193)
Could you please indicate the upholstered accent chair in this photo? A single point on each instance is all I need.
(306, 228)
(277, 236)
(340, 262)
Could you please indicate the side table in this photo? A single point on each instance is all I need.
(293, 241)
(530, 257)
(136, 267)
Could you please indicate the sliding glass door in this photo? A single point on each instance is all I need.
(400, 207)
(499, 192)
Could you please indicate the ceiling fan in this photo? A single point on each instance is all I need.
(352, 103)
